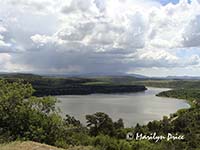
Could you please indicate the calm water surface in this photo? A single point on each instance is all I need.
(133, 108)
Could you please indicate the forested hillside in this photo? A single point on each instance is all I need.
(45, 86)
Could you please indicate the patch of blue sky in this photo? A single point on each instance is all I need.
(165, 2)
(187, 52)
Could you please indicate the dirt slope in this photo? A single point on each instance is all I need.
(29, 145)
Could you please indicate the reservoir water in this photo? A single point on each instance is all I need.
(140, 107)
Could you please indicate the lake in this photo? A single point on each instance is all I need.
(133, 108)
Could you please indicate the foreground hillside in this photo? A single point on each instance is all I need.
(29, 145)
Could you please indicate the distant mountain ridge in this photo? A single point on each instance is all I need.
(88, 75)
(184, 77)
(93, 75)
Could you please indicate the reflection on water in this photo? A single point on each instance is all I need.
(133, 108)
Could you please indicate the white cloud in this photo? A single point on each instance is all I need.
(3, 44)
(4, 58)
(5, 62)
(192, 33)
(160, 55)
(194, 60)
(2, 29)
(43, 39)
(95, 35)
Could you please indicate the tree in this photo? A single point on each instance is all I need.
(119, 124)
(70, 120)
(25, 117)
(100, 123)
(154, 126)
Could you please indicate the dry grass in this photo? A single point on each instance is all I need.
(36, 146)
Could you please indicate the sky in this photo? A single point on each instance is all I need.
(148, 37)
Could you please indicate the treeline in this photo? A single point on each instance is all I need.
(87, 89)
(25, 117)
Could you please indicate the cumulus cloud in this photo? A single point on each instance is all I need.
(2, 29)
(4, 58)
(4, 46)
(192, 33)
(47, 36)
